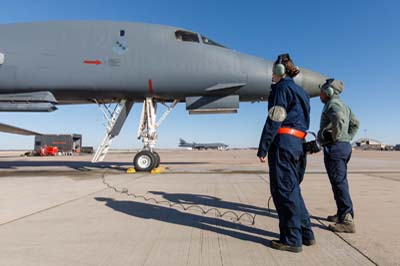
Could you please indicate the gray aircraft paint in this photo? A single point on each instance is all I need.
(49, 56)
(17, 130)
(194, 145)
(40, 101)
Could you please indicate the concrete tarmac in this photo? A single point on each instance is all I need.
(57, 211)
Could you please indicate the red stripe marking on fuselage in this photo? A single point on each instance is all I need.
(151, 87)
(92, 62)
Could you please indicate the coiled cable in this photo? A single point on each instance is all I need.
(237, 218)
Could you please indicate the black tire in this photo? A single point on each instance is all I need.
(144, 161)
(158, 159)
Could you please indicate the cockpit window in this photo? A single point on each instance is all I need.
(211, 42)
(186, 36)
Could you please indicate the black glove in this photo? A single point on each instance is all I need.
(313, 146)
(327, 135)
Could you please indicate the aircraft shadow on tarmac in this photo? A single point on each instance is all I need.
(75, 165)
(173, 216)
(79, 165)
(211, 201)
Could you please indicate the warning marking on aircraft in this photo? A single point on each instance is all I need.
(151, 87)
(92, 62)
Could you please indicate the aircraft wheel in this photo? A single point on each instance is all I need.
(157, 162)
(144, 161)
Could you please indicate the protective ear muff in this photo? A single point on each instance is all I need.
(327, 88)
(279, 69)
(329, 91)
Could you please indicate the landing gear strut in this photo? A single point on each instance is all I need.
(115, 115)
(147, 159)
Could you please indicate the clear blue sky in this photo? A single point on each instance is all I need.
(355, 41)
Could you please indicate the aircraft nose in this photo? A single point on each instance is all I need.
(259, 78)
(310, 81)
(258, 73)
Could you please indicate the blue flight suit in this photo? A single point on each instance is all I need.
(336, 158)
(287, 160)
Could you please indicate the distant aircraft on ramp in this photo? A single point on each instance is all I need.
(117, 64)
(202, 146)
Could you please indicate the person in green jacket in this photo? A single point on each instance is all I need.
(338, 127)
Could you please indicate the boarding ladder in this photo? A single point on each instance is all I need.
(115, 120)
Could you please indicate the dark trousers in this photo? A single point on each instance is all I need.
(336, 157)
(287, 163)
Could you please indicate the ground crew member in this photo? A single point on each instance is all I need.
(282, 139)
(337, 128)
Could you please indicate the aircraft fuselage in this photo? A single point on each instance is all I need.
(80, 61)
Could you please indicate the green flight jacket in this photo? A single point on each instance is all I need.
(338, 123)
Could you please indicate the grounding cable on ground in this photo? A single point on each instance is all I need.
(238, 218)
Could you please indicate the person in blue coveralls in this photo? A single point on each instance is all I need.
(282, 139)
(338, 127)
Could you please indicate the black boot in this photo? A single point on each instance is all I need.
(276, 244)
(309, 242)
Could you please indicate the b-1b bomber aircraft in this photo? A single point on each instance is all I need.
(202, 146)
(117, 64)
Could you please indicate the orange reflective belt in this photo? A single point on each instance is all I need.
(291, 131)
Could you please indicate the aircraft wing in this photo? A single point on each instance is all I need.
(41, 101)
(16, 130)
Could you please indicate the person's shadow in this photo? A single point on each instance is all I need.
(173, 216)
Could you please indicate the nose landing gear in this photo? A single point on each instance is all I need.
(147, 159)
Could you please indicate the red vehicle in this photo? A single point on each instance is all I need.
(48, 151)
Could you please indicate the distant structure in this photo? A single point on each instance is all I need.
(202, 146)
(66, 144)
(371, 144)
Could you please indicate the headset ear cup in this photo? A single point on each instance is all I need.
(279, 69)
(329, 92)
